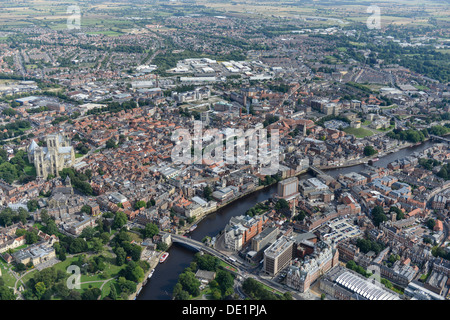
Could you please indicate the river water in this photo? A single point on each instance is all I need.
(161, 285)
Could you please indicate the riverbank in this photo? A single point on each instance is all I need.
(360, 161)
(205, 214)
(180, 257)
(154, 262)
(367, 159)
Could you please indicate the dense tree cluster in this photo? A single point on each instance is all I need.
(188, 285)
(256, 291)
(113, 107)
(50, 283)
(135, 270)
(8, 216)
(366, 245)
(410, 135)
(369, 151)
(14, 129)
(399, 213)
(378, 215)
(444, 173)
(268, 180)
(259, 208)
(79, 180)
(429, 164)
(5, 292)
(353, 266)
(150, 230)
(16, 168)
(123, 248)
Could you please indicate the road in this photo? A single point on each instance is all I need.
(242, 268)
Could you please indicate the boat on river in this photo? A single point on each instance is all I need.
(163, 257)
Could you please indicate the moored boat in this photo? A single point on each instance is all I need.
(163, 257)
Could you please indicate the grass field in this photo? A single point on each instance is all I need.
(316, 14)
(7, 277)
(358, 132)
(106, 33)
(30, 170)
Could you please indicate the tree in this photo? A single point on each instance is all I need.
(431, 223)
(31, 237)
(378, 215)
(39, 289)
(150, 230)
(126, 286)
(20, 267)
(189, 283)
(110, 143)
(8, 172)
(399, 213)
(133, 272)
(151, 203)
(6, 293)
(366, 245)
(139, 204)
(51, 227)
(45, 216)
(97, 245)
(206, 262)
(369, 151)
(281, 204)
(287, 296)
(86, 209)
(207, 193)
(104, 236)
(162, 246)
(226, 281)
(22, 215)
(135, 252)
(74, 295)
(32, 205)
(78, 245)
(393, 257)
(216, 294)
(62, 290)
(120, 219)
(121, 256)
(113, 293)
(88, 233)
(91, 294)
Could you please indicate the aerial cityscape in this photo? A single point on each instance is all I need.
(236, 150)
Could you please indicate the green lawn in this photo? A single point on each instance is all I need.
(135, 237)
(110, 271)
(7, 277)
(358, 132)
(19, 248)
(422, 88)
(389, 107)
(386, 129)
(109, 33)
(30, 170)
